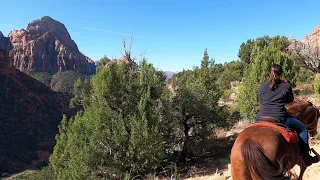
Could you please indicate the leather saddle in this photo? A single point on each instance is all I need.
(268, 119)
(273, 120)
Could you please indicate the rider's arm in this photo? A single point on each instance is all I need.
(290, 95)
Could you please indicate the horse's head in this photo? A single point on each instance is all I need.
(312, 122)
(313, 126)
(307, 113)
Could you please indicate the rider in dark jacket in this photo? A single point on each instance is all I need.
(273, 95)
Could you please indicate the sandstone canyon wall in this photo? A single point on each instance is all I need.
(45, 45)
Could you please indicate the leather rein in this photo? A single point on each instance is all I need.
(315, 120)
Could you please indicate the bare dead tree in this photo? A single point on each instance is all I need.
(127, 50)
(126, 53)
(308, 52)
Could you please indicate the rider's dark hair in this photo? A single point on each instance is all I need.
(276, 76)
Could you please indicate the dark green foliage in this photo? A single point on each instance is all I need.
(61, 81)
(195, 107)
(245, 51)
(305, 76)
(120, 133)
(233, 71)
(217, 68)
(305, 89)
(64, 81)
(205, 60)
(43, 77)
(266, 51)
(104, 60)
(45, 173)
(316, 86)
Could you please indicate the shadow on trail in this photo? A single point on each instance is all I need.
(216, 154)
(209, 162)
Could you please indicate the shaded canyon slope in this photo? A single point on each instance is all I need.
(29, 115)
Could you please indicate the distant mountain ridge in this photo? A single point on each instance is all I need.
(45, 45)
(168, 74)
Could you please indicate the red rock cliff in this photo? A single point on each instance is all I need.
(46, 46)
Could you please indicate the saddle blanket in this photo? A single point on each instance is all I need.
(290, 136)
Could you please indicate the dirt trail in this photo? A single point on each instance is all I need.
(312, 173)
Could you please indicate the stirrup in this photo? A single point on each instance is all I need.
(315, 152)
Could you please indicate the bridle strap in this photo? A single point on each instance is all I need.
(314, 120)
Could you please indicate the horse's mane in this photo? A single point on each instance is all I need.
(298, 105)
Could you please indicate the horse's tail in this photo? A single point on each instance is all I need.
(258, 163)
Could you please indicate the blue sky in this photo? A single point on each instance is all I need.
(170, 34)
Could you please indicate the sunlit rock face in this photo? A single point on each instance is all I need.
(45, 45)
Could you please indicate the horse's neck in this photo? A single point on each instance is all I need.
(298, 110)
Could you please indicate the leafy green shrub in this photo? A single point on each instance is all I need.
(43, 77)
(120, 133)
(232, 71)
(317, 85)
(245, 51)
(104, 60)
(266, 51)
(45, 173)
(64, 81)
(226, 94)
(305, 89)
(305, 76)
(195, 108)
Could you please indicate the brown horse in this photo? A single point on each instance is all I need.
(262, 153)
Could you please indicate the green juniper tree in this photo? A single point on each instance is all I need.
(245, 51)
(120, 132)
(266, 51)
(195, 106)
